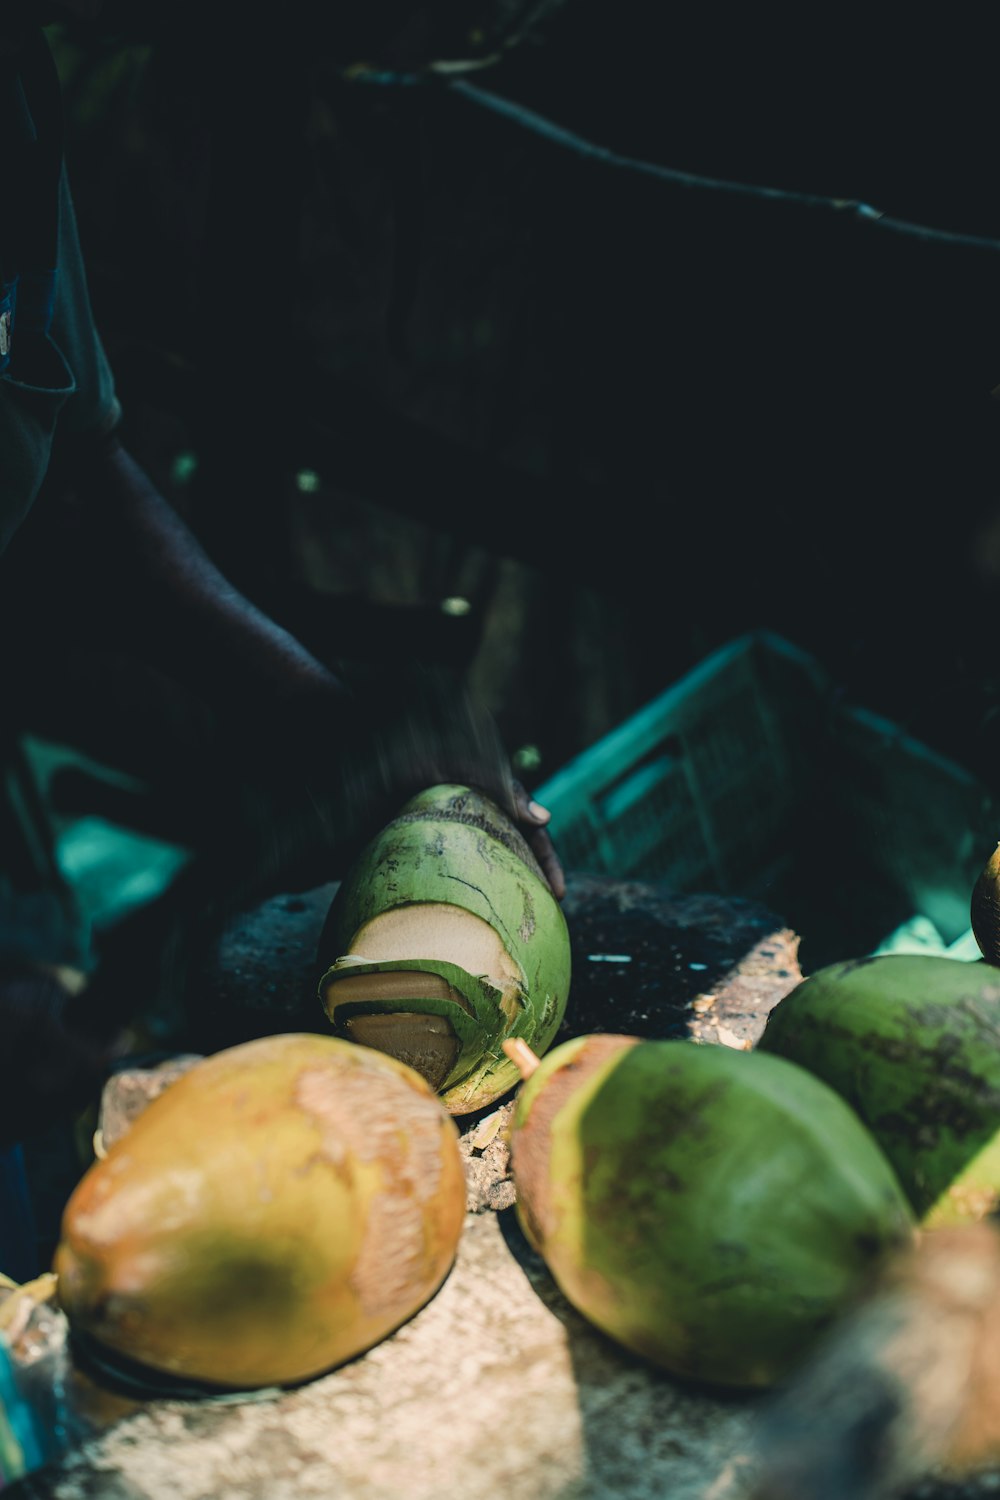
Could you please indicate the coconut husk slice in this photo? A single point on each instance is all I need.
(427, 983)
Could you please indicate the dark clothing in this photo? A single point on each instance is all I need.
(56, 389)
(40, 922)
(55, 383)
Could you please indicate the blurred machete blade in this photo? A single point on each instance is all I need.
(905, 1386)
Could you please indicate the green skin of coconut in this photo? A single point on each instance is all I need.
(430, 853)
(711, 1210)
(912, 1043)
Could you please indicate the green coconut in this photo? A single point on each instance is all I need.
(712, 1210)
(280, 1208)
(984, 908)
(912, 1043)
(444, 941)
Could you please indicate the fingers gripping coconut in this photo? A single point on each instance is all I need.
(445, 940)
(280, 1208)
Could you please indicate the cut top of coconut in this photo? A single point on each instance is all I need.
(391, 984)
(426, 1043)
(449, 934)
(420, 1014)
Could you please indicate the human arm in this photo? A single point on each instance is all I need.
(368, 745)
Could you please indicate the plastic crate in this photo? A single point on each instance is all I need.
(751, 776)
(110, 869)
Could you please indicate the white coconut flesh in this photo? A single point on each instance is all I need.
(428, 930)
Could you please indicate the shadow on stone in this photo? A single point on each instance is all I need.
(641, 1431)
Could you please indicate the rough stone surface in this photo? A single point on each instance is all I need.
(496, 1387)
(127, 1093)
(651, 963)
(263, 977)
(485, 1149)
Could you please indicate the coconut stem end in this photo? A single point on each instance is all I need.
(522, 1056)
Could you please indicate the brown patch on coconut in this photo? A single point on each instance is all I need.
(532, 1137)
(405, 1139)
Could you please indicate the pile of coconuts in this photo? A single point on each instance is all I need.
(775, 1185)
(290, 1202)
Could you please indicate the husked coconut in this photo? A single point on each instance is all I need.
(283, 1206)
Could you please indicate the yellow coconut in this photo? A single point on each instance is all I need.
(282, 1207)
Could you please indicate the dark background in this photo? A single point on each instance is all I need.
(385, 347)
